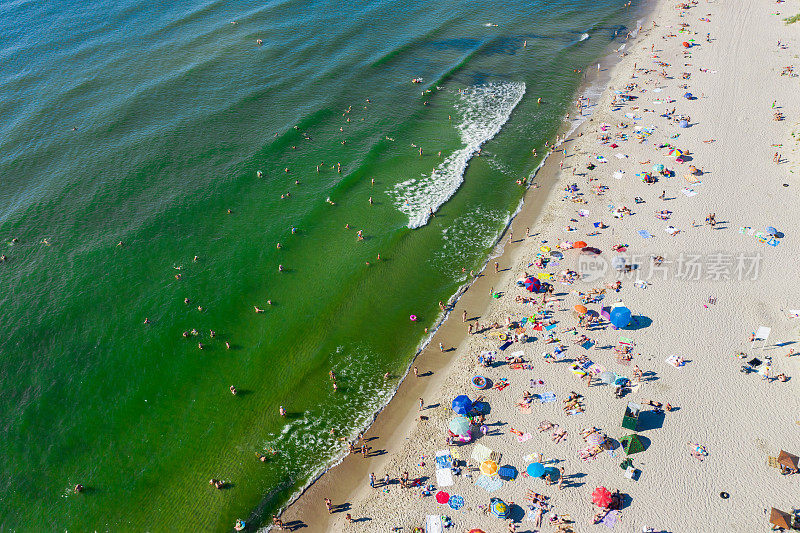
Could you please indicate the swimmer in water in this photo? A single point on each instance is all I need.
(259, 174)
(258, 309)
(280, 268)
(279, 246)
(360, 235)
(282, 412)
(373, 182)
(294, 230)
(347, 226)
(370, 200)
(233, 390)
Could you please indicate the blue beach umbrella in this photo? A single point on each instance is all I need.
(771, 231)
(533, 284)
(683, 124)
(462, 404)
(498, 508)
(459, 425)
(658, 167)
(535, 469)
(620, 316)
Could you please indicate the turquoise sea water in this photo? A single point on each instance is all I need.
(144, 123)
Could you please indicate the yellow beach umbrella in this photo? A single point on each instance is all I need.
(489, 467)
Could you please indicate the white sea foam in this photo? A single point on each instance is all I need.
(484, 109)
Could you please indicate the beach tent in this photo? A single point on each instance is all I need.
(788, 460)
(631, 444)
(459, 425)
(780, 519)
(631, 418)
(462, 404)
(498, 508)
(601, 497)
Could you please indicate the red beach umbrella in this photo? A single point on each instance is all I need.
(442, 497)
(579, 244)
(686, 45)
(601, 497)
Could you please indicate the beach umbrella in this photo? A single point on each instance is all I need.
(596, 439)
(620, 316)
(621, 380)
(579, 244)
(442, 497)
(688, 96)
(675, 152)
(459, 425)
(683, 123)
(535, 470)
(686, 45)
(771, 231)
(489, 467)
(545, 249)
(658, 167)
(476, 531)
(607, 377)
(580, 309)
(532, 284)
(601, 497)
(462, 404)
(588, 250)
(498, 508)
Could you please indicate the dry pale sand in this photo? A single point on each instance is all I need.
(740, 418)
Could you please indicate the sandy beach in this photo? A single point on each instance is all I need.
(708, 79)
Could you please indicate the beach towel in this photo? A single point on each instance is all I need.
(547, 397)
(618, 174)
(443, 459)
(433, 524)
(518, 353)
(673, 360)
(505, 345)
(644, 234)
(588, 344)
(480, 453)
(444, 477)
(584, 212)
(537, 382)
(694, 180)
(688, 192)
(610, 520)
(621, 156)
(550, 327)
(489, 484)
(524, 436)
(456, 502)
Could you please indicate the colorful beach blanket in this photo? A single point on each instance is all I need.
(644, 234)
(610, 520)
(489, 484)
(547, 397)
(443, 459)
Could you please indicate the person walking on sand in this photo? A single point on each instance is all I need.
(281, 411)
(464, 316)
(421, 404)
(329, 505)
(496, 267)
(416, 372)
(441, 347)
(372, 479)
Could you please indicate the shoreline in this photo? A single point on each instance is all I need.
(349, 470)
(716, 403)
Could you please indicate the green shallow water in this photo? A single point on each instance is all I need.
(175, 110)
